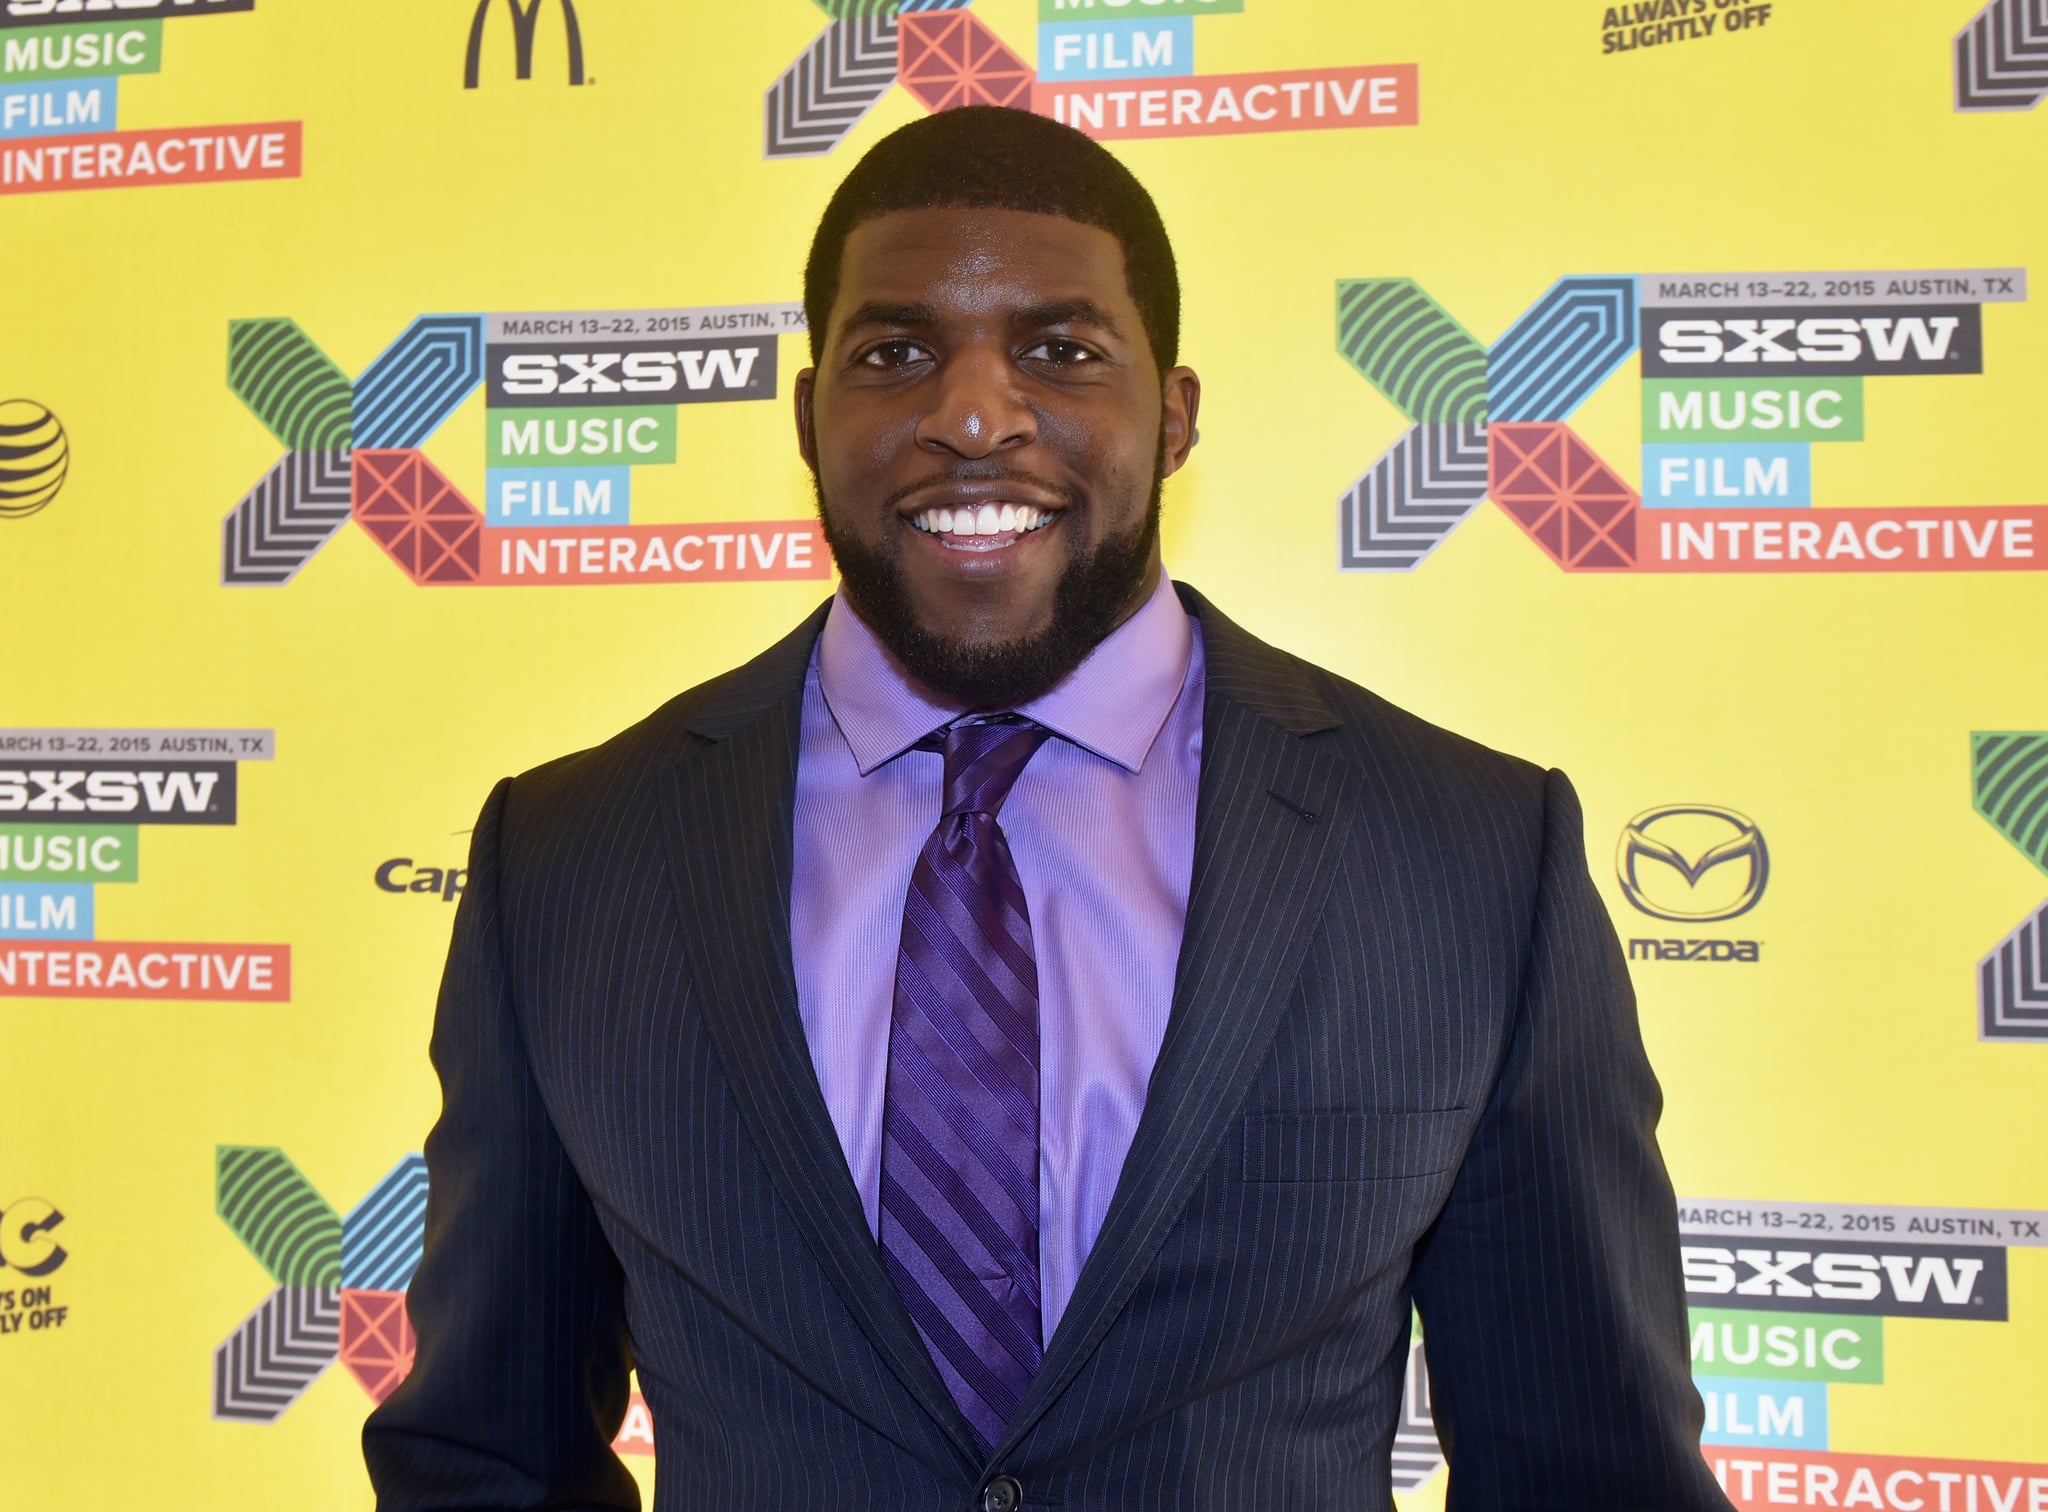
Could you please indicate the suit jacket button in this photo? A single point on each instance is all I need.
(1002, 1494)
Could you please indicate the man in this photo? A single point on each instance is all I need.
(1021, 1041)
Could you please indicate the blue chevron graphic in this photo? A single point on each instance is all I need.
(839, 10)
(1568, 343)
(382, 1236)
(403, 397)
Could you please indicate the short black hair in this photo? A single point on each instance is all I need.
(988, 157)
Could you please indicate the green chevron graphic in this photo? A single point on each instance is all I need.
(839, 10)
(274, 1210)
(2009, 787)
(275, 369)
(1410, 349)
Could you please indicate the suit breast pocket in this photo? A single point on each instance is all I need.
(1352, 1146)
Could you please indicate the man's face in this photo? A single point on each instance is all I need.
(988, 429)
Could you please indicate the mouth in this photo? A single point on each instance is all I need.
(981, 527)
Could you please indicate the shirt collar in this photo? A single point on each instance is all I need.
(1114, 704)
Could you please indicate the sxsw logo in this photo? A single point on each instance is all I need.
(632, 372)
(525, 22)
(1875, 341)
(43, 12)
(182, 792)
(1896, 1280)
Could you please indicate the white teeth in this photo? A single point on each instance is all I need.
(985, 519)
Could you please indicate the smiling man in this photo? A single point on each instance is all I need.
(1022, 1041)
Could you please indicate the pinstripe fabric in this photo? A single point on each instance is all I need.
(1402, 1065)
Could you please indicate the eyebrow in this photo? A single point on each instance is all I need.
(881, 313)
(1070, 312)
(1052, 313)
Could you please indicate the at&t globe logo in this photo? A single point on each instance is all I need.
(1693, 863)
(35, 455)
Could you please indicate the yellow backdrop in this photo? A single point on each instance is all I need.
(1642, 388)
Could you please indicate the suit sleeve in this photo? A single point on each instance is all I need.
(1552, 1305)
(520, 1378)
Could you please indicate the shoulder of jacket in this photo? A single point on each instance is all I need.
(1380, 735)
(624, 768)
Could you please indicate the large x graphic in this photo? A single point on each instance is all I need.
(341, 1282)
(353, 450)
(1487, 420)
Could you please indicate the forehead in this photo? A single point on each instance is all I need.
(958, 260)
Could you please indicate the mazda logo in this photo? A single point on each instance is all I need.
(1671, 862)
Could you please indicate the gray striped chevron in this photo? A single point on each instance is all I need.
(287, 517)
(2012, 983)
(2002, 57)
(1417, 1454)
(279, 1350)
(1418, 492)
(832, 84)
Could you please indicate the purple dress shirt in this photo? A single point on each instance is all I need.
(1102, 827)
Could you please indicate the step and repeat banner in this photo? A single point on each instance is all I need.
(396, 394)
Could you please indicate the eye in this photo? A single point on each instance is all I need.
(1060, 351)
(895, 353)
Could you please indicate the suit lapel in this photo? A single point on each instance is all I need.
(1271, 815)
(728, 827)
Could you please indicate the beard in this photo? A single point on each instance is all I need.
(1094, 593)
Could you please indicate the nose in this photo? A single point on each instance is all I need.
(978, 407)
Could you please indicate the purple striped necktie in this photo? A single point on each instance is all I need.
(959, 1219)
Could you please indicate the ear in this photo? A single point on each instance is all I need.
(1180, 406)
(806, 433)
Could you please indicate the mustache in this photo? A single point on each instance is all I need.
(985, 473)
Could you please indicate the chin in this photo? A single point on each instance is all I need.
(981, 622)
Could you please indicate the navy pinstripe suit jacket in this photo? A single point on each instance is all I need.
(1402, 1067)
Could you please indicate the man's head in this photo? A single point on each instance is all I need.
(994, 319)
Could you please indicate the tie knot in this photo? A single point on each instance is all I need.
(983, 760)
